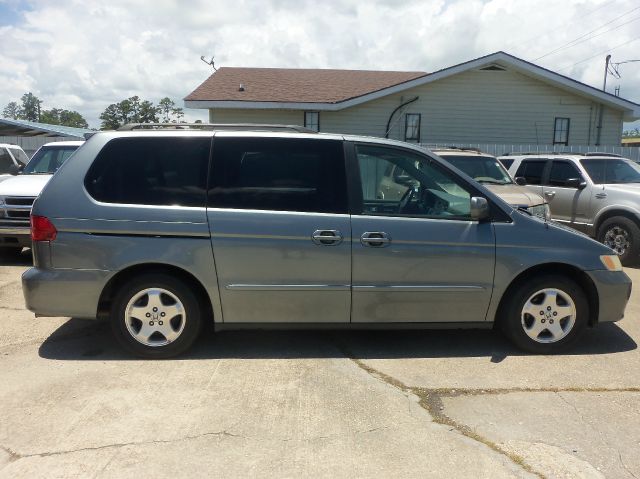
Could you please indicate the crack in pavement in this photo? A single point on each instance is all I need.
(14, 456)
(431, 401)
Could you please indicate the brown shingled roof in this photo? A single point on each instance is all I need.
(295, 85)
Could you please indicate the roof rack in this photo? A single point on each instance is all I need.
(523, 153)
(459, 148)
(598, 153)
(214, 126)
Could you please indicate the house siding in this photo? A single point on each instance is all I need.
(474, 106)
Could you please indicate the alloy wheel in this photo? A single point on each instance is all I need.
(155, 317)
(548, 315)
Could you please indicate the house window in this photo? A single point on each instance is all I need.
(312, 120)
(561, 131)
(412, 127)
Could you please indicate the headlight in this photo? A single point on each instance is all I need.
(611, 262)
(540, 210)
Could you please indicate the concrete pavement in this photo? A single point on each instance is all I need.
(313, 404)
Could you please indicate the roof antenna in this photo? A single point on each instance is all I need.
(211, 62)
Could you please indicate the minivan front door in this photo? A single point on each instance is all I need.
(420, 258)
(281, 235)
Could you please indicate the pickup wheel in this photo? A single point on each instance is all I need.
(156, 316)
(545, 315)
(623, 236)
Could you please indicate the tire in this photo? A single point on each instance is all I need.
(10, 251)
(528, 318)
(156, 316)
(623, 236)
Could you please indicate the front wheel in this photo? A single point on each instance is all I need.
(545, 315)
(156, 316)
(623, 236)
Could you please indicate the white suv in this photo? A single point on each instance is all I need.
(18, 192)
(595, 193)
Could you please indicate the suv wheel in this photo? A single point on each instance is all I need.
(623, 236)
(156, 316)
(545, 315)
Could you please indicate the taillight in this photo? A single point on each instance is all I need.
(42, 229)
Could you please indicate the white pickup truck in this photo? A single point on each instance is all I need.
(18, 192)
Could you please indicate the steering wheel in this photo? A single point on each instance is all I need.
(406, 198)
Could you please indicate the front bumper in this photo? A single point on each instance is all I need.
(15, 236)
(614, 290)
(70, 293)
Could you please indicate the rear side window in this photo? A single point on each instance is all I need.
(151, 171)
(532, 171)
(278, 174)
(5, 160)
(507, 162)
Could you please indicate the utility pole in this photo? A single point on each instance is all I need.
(601, 113)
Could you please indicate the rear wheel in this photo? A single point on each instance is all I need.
(623, 236)
(545, 315)
(156, 316)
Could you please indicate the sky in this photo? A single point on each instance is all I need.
(85, 55)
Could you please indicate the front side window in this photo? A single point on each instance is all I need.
(278, 174)
(151, 171)
(611, 170)
(412, 127)
(561, 131)
(532, 171)
(561, 171)
(19, 155)
(401, 183)
(48, 159)
(312, 120)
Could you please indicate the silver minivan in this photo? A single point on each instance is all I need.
(160, 230)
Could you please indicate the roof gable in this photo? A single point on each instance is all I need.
(332, 90)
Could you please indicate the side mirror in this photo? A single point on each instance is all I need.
(15, 169)
(521, 180)
(576, 183)
(479, 208)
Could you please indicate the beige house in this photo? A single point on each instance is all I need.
(497, 99)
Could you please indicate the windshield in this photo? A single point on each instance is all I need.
(611, 170)
(484, 169)
(48, 159)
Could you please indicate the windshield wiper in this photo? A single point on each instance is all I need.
(493, 182)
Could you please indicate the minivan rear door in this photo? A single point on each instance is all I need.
(420, 258)
(280, 229)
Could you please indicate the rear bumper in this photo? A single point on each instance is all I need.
(69, 293)
(614, 290)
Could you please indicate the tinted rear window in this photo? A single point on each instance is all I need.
(151, 171)
(278, 174)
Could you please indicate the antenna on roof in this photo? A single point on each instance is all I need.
(210, 62)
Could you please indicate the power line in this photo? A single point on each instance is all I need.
(537, 35)
(598, 54)
(582, 38)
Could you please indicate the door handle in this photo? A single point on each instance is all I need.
(375, 239)
(550, 194)
(601, 196)
(327, 237)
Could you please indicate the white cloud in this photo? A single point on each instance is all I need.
(87, 54)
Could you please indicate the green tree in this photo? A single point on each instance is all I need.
(130, 110)
(59, 116)
(30, 107)
(169, 112)
(12, 110)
